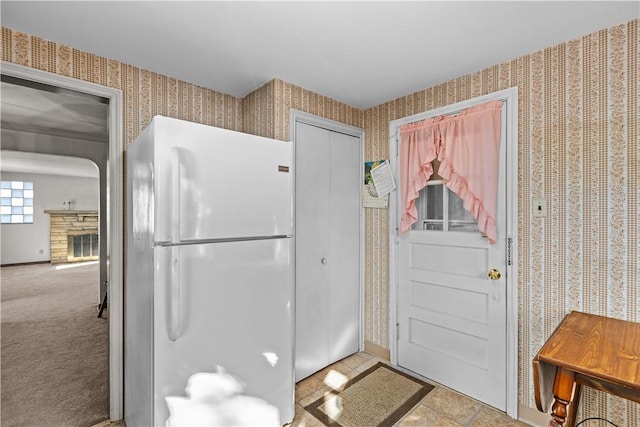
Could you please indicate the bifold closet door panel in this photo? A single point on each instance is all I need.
(344, 246)
(312, 224)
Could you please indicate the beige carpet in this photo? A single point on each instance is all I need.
(379, 396)
(54, 349)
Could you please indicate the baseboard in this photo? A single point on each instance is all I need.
(26, 263)
(532, 416)
(377, 350)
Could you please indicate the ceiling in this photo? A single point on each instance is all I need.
(360, 52)
(43, 109)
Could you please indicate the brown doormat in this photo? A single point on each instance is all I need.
(379, 396)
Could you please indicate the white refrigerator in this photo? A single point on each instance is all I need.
(209, 271)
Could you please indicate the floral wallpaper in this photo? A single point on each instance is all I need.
(578, 148)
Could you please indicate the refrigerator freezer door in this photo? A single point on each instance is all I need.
(213, 183)
(235, 308)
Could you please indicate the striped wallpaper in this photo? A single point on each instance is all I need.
(267, 109)
(145, 93)
(578, 148)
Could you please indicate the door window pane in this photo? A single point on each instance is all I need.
(460, 219)
(430, 208)
(440, 209)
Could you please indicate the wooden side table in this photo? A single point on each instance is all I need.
(591, 350)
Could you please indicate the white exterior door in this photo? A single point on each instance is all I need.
(452, 317)
(327, 236)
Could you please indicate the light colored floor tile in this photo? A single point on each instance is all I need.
(452, 405)
(307, 387)
(304, 419)
(338, 366)
(356, 360)
(366, 365)
(314, 396)
(423, 416)
(490, 417)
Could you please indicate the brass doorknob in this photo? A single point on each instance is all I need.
(494, 274)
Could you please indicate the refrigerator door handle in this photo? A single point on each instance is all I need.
(175, 194)
(174, 294)
(174, 285)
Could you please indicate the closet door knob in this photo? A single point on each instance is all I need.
(323, 261)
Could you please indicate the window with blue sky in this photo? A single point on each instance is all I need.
(16, 202)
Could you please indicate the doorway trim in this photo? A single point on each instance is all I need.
(115, 260)
(297, 116)
(510, 98)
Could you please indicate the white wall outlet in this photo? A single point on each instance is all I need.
(539, 208)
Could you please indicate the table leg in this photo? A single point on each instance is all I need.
(573, 408)
(562, 391)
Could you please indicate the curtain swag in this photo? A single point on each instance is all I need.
(467, 146)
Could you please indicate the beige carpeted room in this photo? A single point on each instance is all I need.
(54, 346)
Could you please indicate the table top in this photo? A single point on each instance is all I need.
(597, 346)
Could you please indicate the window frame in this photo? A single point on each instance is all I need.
(445, 223)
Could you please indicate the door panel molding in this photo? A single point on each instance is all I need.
(510, 98)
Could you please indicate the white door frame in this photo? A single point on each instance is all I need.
(297, 116)
(115, 260)
(510, 97)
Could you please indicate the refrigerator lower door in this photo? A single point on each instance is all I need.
(228, 304)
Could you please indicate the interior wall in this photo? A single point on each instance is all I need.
(145, 93)
(267, 109)
(578, 148)
(23, 243)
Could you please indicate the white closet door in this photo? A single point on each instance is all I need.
(327, 247)
(311, 241)
(344, 246)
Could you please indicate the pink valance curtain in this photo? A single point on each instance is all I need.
(467, 146)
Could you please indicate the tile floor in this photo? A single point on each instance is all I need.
(442, 407)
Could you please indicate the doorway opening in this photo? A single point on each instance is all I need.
(107, 155)
(55, 347)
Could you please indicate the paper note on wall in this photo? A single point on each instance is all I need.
(383, 179)
(371, 197)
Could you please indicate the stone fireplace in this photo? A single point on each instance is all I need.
(73, 236)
